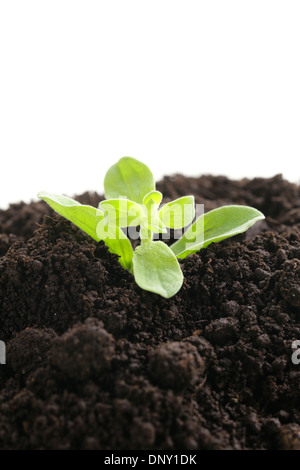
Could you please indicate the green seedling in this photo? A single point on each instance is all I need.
(132, 202)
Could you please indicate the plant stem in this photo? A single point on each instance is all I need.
(146, 235)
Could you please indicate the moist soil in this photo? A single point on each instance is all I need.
(94, 362)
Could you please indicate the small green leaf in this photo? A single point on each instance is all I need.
(153, 198)
(151, 202)
(117, 243)
(179, 213)
(121, 212)
(215, 226)
(85, 217)
(156, 269)
(128, 178)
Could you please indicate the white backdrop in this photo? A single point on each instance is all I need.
(186, 86)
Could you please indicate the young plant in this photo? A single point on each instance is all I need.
(132, 203)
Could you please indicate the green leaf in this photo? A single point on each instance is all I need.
(121, 212)
(215, 226)
(117, 243)
(153, 198)
(85, 217)
(179, 213)
(156, 269)
(128, 178)
(151, 202)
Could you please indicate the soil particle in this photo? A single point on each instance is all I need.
(223, 331)
(28, 349)
(176, 365)
(290, 282)
(84, 351)
(290, 436)
(94, 362)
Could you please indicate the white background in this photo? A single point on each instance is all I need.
(185, 86)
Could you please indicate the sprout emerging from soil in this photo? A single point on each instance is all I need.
(132, 210)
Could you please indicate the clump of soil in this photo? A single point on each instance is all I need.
(94, 362)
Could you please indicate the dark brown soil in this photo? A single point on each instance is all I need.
(94, 362)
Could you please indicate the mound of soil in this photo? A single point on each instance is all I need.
(94, 362)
